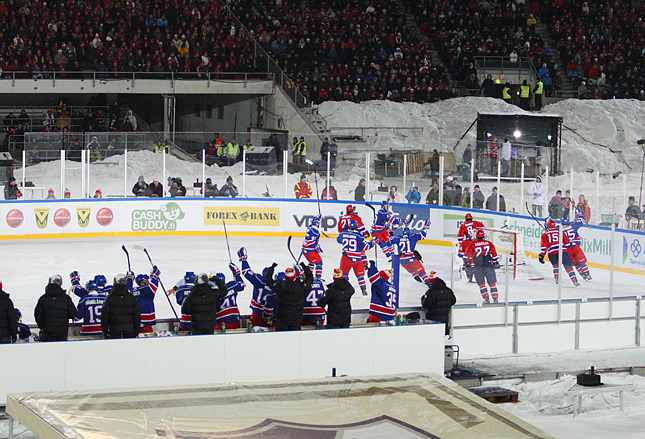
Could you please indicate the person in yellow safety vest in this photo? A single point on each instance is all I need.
(506, 93)
(248, 145)
(302, 149)
(161, 146)
(525, 96)
(538, 91)
(232, 151)
(295, 145)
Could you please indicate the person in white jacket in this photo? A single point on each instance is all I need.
(537, 192)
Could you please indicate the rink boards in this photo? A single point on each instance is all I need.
(269, 217)
(402, 405)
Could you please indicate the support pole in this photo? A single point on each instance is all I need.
(285, 172)
(572, 204)
(367, 176)
(24, 169)
(597, 210)
(87, 180)
(328, 175)
(83, 173)
(62, 171)
(405, 173)
(560, 274)
(506, 289)
(624, 197)
(125, 174)
(163, 170)
(499, 183)
(472, 181)
(204, 175)
(611, 269)
(546, 188)
(244, 173)
(441, 180)
(522, 187)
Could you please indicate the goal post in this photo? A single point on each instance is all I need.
(510, 245)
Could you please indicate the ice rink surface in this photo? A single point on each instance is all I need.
(29, 263)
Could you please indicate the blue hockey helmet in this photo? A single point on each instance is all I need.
(280, 276)
(91, 286)
(18, 313)
(315, 221)
(406, 230)
(384, 204)
(565, 220)
(142, 279)
(189, 277)
(353, 224)
(100, 280)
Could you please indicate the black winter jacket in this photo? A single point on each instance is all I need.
(337, 300)
(289, 298)
(201, 306)
(8, 317)
(53, 312)
(437, 301)
(121, 315)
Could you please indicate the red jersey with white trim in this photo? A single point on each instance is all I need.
(343, 223)
(467, 229)
(481, 253)
(551, 242)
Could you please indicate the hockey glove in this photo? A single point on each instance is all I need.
(319, 249)
(155, 271)
(75, 277)
(541, 258)
(274, 265)
(130, 276)
(372, 263)
(365, 264)
(241, 253)
(418, 256)
(234, 269)
(496, 265)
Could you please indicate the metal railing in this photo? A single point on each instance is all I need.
(521, 69)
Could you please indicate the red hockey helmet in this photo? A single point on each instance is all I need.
(469, 217)
(480, 234)
(349, 208)
(550, 224)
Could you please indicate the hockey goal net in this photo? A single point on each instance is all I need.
(510, 248)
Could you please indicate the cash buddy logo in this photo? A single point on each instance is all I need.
(164, 218)
(633, 251)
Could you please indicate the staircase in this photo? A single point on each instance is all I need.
(568, 88)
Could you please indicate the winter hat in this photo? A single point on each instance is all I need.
(50, 192)
(56, 279)
(119, 279)
(68, 194)
(98, 194)
(202, 278)
(338, 273)
(0, 284)
(433, 276)
(290, 273)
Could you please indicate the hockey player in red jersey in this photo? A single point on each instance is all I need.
(464, 236)
(343, 223)
(549, 247)
(482, 256)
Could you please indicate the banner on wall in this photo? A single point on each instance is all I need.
(241, 216)
(452, 222)
(162, 218)
(633, 251)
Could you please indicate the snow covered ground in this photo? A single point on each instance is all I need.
(616, 124)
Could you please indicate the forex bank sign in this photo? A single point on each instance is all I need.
(241, 216)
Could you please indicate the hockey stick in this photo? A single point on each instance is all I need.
(227, 246)
(309, 162)
(533, 216)
(127, 255)
(137, 247)
(373, 221)
(289, 248)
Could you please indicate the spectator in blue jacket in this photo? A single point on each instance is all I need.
(413, 196)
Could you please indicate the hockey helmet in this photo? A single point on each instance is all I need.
(221, 277)
(385, 204)
(565, 220)
(550, 224)
(406, 229)
(280, 277)
(469, 217)
(189, 277)
(315, 221)
(100, 280)
(353, 224)
(264, 271)
(349, 208)
(91, 286)
(480, 234)
(142, 279)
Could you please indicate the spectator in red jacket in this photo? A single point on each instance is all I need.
(302, 189)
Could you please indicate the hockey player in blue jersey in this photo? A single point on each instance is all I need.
(23, 330)
(89, 310)
(574, 248)
(145, 294)
(181, 290)
(354, 248)
(312, 313)
(101, 284)
(311, 249)
(407, 243)
(227, 310)
(263, 299)
(76, 287)
(384, 296)
(383, 223)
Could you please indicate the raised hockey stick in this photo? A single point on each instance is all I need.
(309, 162)
(533, 216)
(127, 255)
(138, 247)
(373, 221)
(290, 252)
(227, 246)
